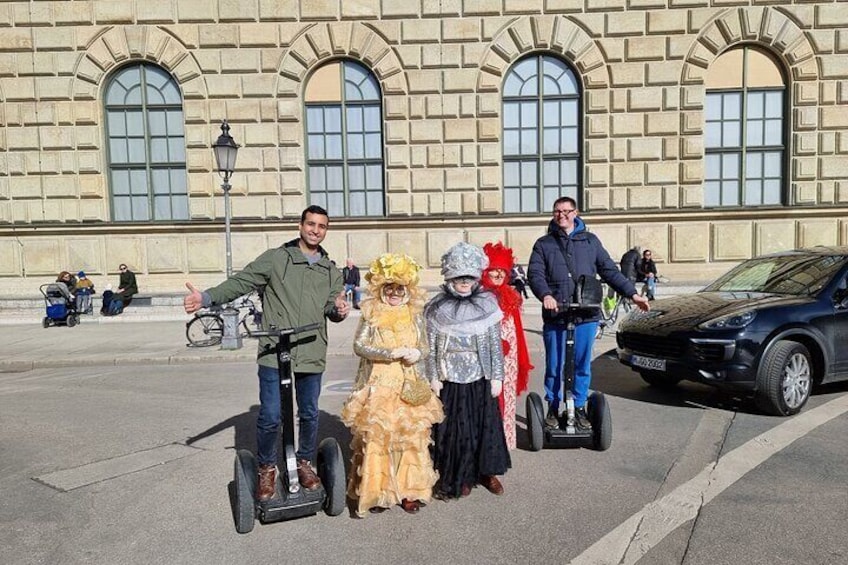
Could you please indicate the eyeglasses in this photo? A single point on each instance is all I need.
(394, 291)
(564, 212)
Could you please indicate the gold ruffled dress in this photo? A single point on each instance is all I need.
(391, 439)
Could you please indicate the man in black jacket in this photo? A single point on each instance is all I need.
(350, 277)
(558, 261)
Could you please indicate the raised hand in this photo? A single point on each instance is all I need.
(342, 307)
(497, 387)
(194, 301)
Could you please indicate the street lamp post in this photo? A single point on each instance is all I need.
(226, 150)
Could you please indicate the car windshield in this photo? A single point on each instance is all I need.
(798, 275)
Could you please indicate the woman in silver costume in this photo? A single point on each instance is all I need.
(465, 365)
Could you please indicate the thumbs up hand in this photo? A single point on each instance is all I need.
(194, 301)
(342, 307)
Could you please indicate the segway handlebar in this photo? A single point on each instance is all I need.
(276, 332)
(575, 306)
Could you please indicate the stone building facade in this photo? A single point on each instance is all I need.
(648, 169)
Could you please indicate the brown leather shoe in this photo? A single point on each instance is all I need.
(267, 483)
(306, 475)
(492, 484)
(410, 506)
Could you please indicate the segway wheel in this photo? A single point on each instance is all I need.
(332, 474)
(599, 415)
(245, 486)
(535, 421)
(71, 321)
(45, 322)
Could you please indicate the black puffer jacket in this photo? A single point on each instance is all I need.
(549, 275)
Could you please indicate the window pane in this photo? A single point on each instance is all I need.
(135, 122)
(176, 150)
(121, 211)
(175, 122)
(550, 114)
(315, 146)
(140, 211)
(712, 136)
(753, 166)
(319, 199)
(317, 180)
(731, 134)
(116, 124)
(712, 107)
(375, 203)
(161, 181)
(372, 118)
(569, 172)
(512, 200)
(550, 173)
(138, 182)
(528, 115)
(569, 140)
(755, 132)
(774, 104)
(551, 139)
(712, 167)
(528, 142)
(550, 86)
(357, 203)
(772, 164)
(753, 192)
(569, 112)
(158, 150)
(334, 178)
(732, 106)
(136, 150)
(332, 119)
(373, 146)
(157, 121)
(530, 88)
(179, 207)
(511, 142)
(334, 147)
(774, 133)
(374, 177)
(528, 174)
(355, 146)
(756, 104)
(162, 207)
(529, 200)
(118, 150)
(356, 177)
(178, 182)
(730, 193)
(132, 97)
(120, 182)
(730, 166)
(511, 174)
(549, 196)
(510, 117)
(354, 119)
(314, 120)
(512, 85)
(771, 192)
(335, 204)
(711, 193)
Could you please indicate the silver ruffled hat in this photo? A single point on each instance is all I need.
(464, 260)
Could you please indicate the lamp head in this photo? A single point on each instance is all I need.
(226, 151)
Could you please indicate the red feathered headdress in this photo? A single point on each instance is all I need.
(500, 257)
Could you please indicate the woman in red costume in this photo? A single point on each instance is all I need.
(516, 357)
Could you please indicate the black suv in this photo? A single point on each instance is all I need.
(772, 326)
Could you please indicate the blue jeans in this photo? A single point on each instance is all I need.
(651, 283)
(307, 388)
(357, 294)
(554, 338)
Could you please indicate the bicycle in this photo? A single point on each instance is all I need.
(207, 328)
(611, 308)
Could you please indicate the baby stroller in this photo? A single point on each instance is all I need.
(61, 307)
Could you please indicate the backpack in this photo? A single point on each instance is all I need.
(116, 306)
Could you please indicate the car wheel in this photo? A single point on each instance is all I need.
(785, 379)
(659, 380)
(71, 321)
(45, 322)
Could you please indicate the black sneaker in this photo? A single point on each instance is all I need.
(551, 420)
(582, 418)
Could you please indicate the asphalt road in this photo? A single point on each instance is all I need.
(131, 465)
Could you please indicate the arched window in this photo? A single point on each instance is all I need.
(344, 130)
(541, 134)
(744, 138)
(146, 145)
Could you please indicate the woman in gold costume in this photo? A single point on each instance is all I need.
(391, 437)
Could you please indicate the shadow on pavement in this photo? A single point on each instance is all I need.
(244, 430)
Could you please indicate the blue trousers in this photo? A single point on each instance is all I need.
(584, 339)
(307, 389)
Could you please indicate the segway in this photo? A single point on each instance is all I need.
(290, 499)
(567, 433)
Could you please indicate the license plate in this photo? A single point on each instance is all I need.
(648, 363)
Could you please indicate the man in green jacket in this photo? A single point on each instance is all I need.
(301, 286)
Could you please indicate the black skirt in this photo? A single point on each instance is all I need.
(470, 441)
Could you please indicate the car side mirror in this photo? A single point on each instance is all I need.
(840, 298)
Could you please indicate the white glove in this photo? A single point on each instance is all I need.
(497, 387)
(436, 386)
(412, 356)
(398, 352)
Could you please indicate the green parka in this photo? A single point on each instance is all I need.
(295, 294)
